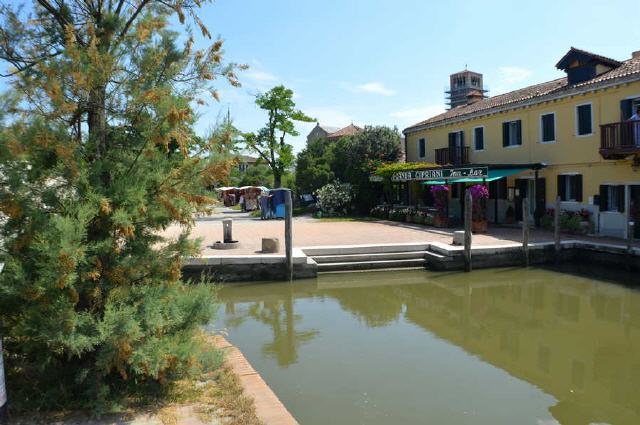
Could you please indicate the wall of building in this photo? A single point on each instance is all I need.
(570, 153)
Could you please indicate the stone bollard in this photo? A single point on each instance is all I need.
(227, 230)
(458, 237)
(270, 245)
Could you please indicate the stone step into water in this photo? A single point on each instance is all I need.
(345, 258)
(370, 265)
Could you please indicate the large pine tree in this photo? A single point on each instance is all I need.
(97, 157)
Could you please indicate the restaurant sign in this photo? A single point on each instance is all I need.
(441, 174)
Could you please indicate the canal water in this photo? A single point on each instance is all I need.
(501, 346)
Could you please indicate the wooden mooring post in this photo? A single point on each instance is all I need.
(631, 225)
(288, 236)
(525, 230)
(467, 230)
(556, 228)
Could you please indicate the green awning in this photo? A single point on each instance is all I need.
(493, 175)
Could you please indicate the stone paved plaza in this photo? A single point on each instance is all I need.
(308, 231)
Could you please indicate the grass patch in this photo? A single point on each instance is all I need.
(215, 396)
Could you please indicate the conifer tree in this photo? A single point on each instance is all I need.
(97, 157)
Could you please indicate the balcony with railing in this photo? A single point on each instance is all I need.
(458, 155)
(620, 139)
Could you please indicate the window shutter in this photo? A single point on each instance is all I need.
(604, 197)
(505, 134)
(548, 128)
(621, 196)
(584, 119)
(479, 138)
(452, 140)
(518, 132)
(462, 139)
(626, 109)
(562, 193)
(577, 186)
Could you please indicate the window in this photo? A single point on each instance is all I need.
(478, 138)
(548, 128)
(612, 198)
(584, 119)
(570, 187)
(456, 139)
(422, 148)
(512, 133)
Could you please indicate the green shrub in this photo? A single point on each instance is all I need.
(334, 199)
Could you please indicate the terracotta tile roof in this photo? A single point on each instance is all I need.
(349, 130)
(629, 69)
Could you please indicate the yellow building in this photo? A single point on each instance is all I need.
(574, 137)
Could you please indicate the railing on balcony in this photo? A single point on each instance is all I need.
(458, 155)
(619, 139)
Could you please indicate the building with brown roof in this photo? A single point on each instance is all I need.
(332, 133)
(571, 138)
(349, 130)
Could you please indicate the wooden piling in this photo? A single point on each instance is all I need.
(288, 237)
(630, 230)
(525, 230)
(556, 227)
(467, 231)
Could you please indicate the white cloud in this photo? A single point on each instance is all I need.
(260, 76)
(513, 74)
(328, 116)
(414, 115)
(375, 87)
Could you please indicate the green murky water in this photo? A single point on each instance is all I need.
(500, 346)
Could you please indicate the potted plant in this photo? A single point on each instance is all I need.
(510, 217)
(479, 196)
(441, 200)
(409, 215)
(418, 218)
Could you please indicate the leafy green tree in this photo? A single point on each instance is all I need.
(97, 157)
(255, 175)
(314, 166)
(363, 153)
(269, 142)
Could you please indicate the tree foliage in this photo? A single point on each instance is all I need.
(269, 142)
(97, 157)
(314, 166)
(351, 159)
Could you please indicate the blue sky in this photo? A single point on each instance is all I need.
(388, 62)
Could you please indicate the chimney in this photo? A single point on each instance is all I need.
(474, 96)
(635, 55)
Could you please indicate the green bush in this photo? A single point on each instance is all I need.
(334, 199)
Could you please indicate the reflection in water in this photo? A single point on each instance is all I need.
(279, 316)
(576, 338)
